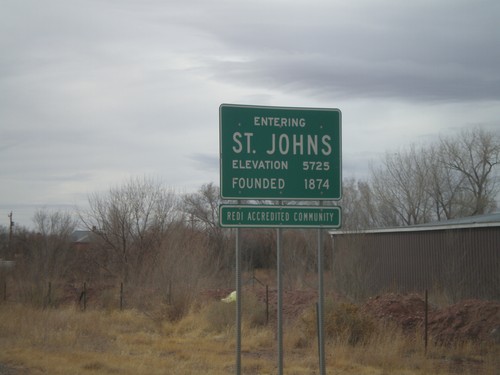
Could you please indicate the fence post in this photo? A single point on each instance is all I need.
(121, 296)
(83, 296)
(170, 292)
(49, 295)
(426, 321)
(267, 304)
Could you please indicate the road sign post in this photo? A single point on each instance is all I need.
(280, 153)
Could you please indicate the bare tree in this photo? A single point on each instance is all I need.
(474, 154)
(44, 255)
(54, 233)
(352, 269)
(445, 186)
(202, 210)
(400, 188)
(4, 243)
(452, 178)
(131, 222)
(299, 256)
(359, 209)
(258, 248)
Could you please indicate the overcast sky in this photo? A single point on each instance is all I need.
(93, 92)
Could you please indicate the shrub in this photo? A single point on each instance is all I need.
(221, 315)
(342, 322)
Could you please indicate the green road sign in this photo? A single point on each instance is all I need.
(280, 153)
(255, 216)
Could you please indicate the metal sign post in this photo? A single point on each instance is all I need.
(280, 299)
(238, 302)
(280, 153)
(321, 292)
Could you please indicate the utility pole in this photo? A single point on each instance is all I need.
(11, 227)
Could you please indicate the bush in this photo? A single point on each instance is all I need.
(342, 322)
(221, 315)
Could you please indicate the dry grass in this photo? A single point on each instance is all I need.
(69, 341)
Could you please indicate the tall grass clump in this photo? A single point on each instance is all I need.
(343, 322)
(221, 316)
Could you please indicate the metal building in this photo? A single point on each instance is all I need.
(459, 258)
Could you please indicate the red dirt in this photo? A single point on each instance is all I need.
(406, 310)
(468, 320)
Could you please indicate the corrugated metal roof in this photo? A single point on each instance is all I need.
(478, 221)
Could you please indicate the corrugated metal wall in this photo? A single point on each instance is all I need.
(462, 263)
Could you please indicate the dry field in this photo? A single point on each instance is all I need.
(69, 341)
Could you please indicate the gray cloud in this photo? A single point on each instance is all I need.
(93, 92)
(427, 51)
(319, 76)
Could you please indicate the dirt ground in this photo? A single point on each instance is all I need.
(468, 320)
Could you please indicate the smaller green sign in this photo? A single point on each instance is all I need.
(254, 216)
